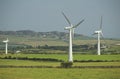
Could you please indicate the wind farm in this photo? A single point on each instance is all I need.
(49, 52)
(44, 39)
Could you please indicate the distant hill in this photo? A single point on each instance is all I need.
(52, 34)
(53, 38)
(39, 38)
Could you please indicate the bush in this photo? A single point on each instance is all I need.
(66, 64)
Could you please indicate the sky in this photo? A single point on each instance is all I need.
(45, 15)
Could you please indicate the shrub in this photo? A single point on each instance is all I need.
(66, 64)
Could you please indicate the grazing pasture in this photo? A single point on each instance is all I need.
(59, 73)
(64, 57)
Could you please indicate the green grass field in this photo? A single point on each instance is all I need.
(35, 41)
(56, 73)
(59, 73)
(64, 57)
(12, 62)
(26, 63)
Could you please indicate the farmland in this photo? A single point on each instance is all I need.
(53, 38)
(42, 54)
(108, 60)
(54, 42)
(47, 73)
(64, 57)
(59, 73)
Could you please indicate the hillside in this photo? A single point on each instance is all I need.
(52, 34)
(39, 38)
(53, 38)
(39, 42)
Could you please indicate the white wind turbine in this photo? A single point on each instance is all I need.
(6, 46)
(71, 33)
(99, 33)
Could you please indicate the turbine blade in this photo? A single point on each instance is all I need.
(94, 34)
(105, 43)
(78, 23)
(101, 24)
(67, 19)
(7, 40)
(73, 32)
(101, 33)
(102, 36)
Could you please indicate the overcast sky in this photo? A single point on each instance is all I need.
(45, 15)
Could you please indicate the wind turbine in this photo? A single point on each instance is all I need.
(99, 33)
(71, 33)
(6, 48)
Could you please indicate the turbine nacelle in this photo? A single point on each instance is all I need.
(99, 31)
(5, 41)
(68, 28)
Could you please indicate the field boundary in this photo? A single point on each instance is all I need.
(33, 59)
(11, 66)
(55, 60)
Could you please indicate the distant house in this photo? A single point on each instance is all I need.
(118, 44)
(103, 46)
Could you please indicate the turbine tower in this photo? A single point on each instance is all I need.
(71, 33)
(99, 33)
(6, 46)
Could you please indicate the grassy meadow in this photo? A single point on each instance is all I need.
(52, 41)
(59, 73)
(64, 57)
(5, 62)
